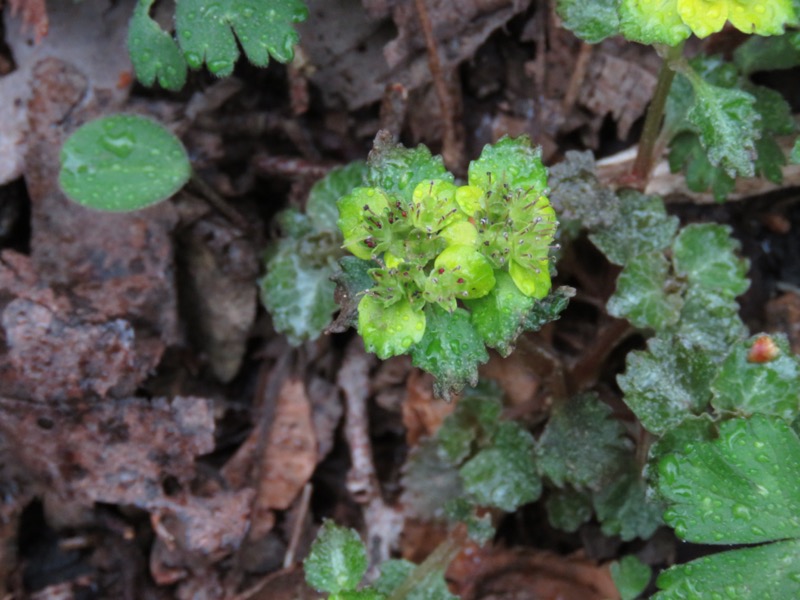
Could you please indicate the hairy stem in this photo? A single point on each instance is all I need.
(645, 157)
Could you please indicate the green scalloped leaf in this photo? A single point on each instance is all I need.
(577, 195)
(568, 509)
(337, 561)
(652, 22)
(297, 290)
(499, 317)
(625, 508)
(582, 445)
(208, 31)
(591, 21)
(510, 162)
(769, 571)
(631, 576)
(704, 253)
(761, 53)
(549, 308)
(776, 114)
(647, 295)
(450, 350)
(122, 163)
(666, 383)
(686, 153)
(795, 154)
(503, 475)
(389, 330)
(741, 488)
(710, 321)
(154, 53)
(642, 226)
(398, 170)
(321, 205)
(770, 387)
(728, 125)
(429, 481)
(473, 422)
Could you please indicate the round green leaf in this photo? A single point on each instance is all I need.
(122, 163)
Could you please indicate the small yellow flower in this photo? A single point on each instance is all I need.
(763, 17)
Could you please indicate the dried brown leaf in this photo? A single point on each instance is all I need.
(34, 15)
(116, 452)
(290, 454)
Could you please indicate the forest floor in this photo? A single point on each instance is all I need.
(158, 439)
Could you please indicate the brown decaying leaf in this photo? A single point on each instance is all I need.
(422, 412)
(219, 265)
(105, 356)
(290, 454)
(524, 574)
(355, 79)
(34, 15)
(118, 453)
(617, 86)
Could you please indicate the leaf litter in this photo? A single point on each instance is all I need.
(151, 416)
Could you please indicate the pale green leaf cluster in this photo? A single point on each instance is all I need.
(298, 290)
(457, 268)
(211, 32)
(583, 456)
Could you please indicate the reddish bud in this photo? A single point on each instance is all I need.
(764, 349)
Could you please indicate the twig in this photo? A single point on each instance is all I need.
(383, 522)
(297, 529)
(393, 109)
(290, 166)
(219, 203)
(453, 151)
(576, 79)
(353, 380)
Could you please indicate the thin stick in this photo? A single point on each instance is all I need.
(453, 142)
(577, 77)
(219, 203)
(297, 529)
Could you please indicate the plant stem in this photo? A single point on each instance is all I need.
(438, 560)
(655, 112)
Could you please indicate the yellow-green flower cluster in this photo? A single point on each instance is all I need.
(449, 243)
(671, 21)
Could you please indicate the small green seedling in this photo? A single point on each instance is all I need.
(338, 562)
(122, 163)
